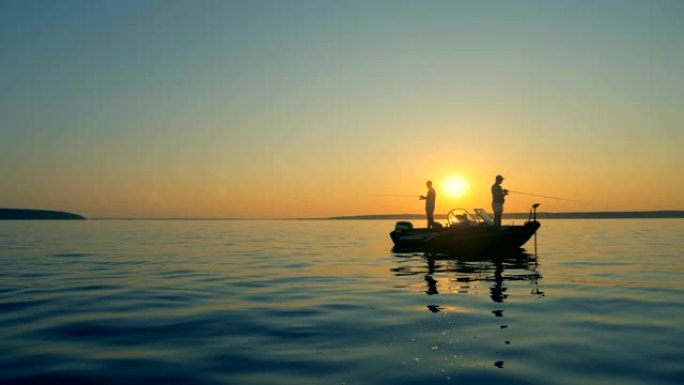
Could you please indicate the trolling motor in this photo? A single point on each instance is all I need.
(533, 213)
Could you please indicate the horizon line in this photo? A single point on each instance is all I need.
(391, 215)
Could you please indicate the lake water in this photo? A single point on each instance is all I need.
(327, 302)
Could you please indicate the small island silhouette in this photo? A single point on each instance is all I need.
(28, 214)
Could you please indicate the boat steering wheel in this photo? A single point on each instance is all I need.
(452, 217)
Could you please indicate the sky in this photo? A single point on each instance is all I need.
(279, 109)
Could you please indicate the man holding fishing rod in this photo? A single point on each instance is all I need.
(430, 204)
(498, 198)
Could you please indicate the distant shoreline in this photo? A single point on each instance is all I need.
(662, 214)
(541, 215)
(33, 214)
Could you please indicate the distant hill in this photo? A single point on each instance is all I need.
(36, 214)
(541, 215)
(603, 215)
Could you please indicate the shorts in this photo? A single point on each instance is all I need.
(497, 207)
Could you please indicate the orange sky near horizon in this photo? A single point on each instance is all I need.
(314, 109)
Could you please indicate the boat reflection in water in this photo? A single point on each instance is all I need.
(463, 274)
(454, 283)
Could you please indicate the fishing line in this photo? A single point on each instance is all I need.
(541, 196)
(396, 195)
(510, 191)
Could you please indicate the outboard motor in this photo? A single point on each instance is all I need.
(403, 225)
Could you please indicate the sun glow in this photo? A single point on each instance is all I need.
(455, 186)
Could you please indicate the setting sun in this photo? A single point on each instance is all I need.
(455, 186)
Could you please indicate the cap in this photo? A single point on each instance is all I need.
(499, 177)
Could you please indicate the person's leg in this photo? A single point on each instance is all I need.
(430, 219)
(497, 218)
(498, 210)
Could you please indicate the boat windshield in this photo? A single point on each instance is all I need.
(486, 218)
(459, 216)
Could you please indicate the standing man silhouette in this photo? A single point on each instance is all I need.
(430, 204)
(498, 198)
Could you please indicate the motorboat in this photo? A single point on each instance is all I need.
(465, 233)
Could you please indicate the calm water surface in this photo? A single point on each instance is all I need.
(327, 302)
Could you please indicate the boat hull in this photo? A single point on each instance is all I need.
(464, 238)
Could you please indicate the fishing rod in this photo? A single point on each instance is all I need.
(541, 196)
(396, 195)
(510, 191)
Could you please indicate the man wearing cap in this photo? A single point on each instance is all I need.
(498, 199)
